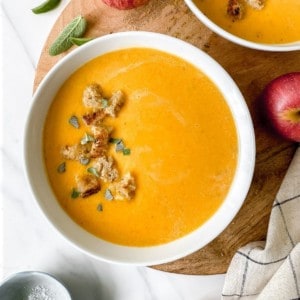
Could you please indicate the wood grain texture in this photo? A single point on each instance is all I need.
(250, 69)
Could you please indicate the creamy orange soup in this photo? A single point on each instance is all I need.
(182, 139)
(278, 22)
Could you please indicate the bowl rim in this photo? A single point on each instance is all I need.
(238, 40)
(138, 255)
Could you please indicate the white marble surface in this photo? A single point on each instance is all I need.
(28, 241)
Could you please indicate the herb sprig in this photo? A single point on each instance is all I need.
(76, 28)
(45, 6)
(80, 41)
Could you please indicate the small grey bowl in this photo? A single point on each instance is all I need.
(32, 285)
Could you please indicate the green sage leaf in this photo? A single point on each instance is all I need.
(104, 103)
(108, 195)
(120, 146)
(93, 171)
(100, 207)
(80, 41)
(84, 160)
(126, 151)
(45, 6)
(75, 194)
(76, 28)
(74, 122)
(87, 139)
(114, 140)
(61, 168)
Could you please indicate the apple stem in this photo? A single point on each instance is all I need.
(292, 115)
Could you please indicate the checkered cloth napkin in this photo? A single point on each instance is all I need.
(271, 270)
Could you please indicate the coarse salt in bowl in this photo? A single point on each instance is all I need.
(38, 180)
(32, 285)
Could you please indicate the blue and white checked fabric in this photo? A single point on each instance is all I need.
(271, 270)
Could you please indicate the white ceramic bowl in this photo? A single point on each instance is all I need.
(235, 39)
(32, 285)
(37, 176)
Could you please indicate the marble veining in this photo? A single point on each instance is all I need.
(29, 241)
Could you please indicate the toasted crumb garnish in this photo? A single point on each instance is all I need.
(76, 152)
(94, 118)
(105, 166)
(115, 103)
(235, 9)
(92, 96)
(87, 185)
(92, 149)
(125, 188)
(101, 131)
(101, 136)
(98, 149)
(256, 4)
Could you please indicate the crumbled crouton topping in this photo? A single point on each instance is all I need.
(94, 118)
(125, 188)
(92, 96)
(115, 103)
(76, 152)
(235, 9)
(101, 131)
(92, 149)
(105, 166)
(100, 145)
(87, 185)
(256, 4)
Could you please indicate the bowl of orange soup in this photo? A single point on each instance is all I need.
(139, 148)
(271, 25)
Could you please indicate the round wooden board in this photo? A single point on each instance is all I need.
(250, 69)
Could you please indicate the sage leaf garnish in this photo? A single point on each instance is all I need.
(74, 122)
(100, 207)
(45, 6)
(120, 146)
(108, 195)
(93, 171)
(126, 151)
(114, 140)
(76, 28)
(104, 103)
(84, 160)
(74, 194)
(87, 139)
(80, 41)
(61, 168)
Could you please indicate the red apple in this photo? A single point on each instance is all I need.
(125, 4)
(281, 99)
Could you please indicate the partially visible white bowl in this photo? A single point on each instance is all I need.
(43, 193)
(235, 39)
(33, 285)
